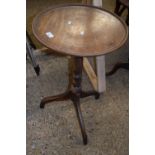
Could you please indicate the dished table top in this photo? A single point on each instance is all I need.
(80, 30)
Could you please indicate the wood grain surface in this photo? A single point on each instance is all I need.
(80, 30)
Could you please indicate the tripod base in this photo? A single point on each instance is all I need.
(74, 93)
(75, 97)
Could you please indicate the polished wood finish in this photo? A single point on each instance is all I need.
(80, 30)
(74, 93)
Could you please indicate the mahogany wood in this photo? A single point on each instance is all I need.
(74, 93)
(79, 31)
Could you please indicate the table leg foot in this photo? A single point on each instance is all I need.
(37, 70)
(48, 99)
(80, 120)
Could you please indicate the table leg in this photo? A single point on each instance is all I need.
(80, 119)
(74, 93)
(60, 97)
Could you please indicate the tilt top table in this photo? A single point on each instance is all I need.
(79, 31)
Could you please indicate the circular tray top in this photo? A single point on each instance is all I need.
(80, 30)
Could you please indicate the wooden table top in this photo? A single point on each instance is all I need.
(80, 30)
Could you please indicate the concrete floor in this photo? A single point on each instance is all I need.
(55, 130)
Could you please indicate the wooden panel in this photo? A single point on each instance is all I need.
(91, 74)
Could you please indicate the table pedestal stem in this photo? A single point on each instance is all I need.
(74, 93)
